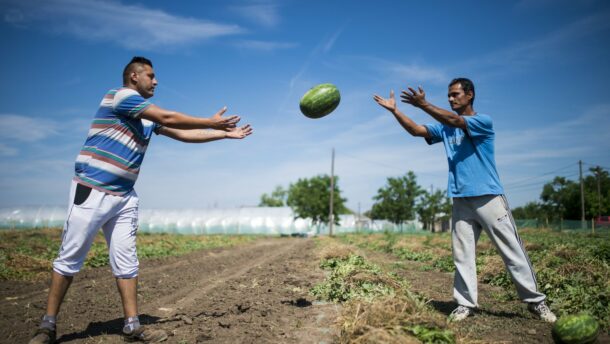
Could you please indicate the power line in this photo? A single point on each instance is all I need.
(517, 185)
(596, 165)
(521, 189)
(538, 183)
(516, 182)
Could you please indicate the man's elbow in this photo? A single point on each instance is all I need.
(420, 132)
(458, 122)
(168, 120)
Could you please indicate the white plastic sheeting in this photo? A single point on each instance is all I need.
(244, 220)
(32, 217)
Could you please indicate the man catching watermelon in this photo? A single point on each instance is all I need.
(102, 194)
(479, 203)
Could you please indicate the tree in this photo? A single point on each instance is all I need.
(561, 199)
(541, 212)
(277, 198)
(310, 198)
(395, 201)
(562, 196)
(597, 193)
(531, 210)
(434, 206)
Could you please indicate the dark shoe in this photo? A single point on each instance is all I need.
(146, 335)
(43, 336)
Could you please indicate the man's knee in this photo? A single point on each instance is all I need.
(126, 273)
(65, 269)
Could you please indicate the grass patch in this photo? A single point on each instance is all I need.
(378, 306)
(572, 268)
(353, 277)
(27, 255)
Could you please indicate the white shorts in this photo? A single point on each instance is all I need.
(89, 211)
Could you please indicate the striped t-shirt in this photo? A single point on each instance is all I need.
(113, 152)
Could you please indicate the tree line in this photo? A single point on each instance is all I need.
(400, 200)
(560, 199)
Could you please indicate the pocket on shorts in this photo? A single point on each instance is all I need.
(82, 194)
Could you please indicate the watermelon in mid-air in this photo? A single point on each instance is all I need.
(576, 329)
(320, 101)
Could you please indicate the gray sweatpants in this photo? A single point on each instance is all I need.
(492, 214)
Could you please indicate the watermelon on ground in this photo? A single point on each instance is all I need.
(576, 329)
(320, 101)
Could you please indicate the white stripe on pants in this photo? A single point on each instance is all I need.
(492, 214)
(117, 216)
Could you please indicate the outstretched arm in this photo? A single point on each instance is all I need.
(418, 99)
(203, 135)
(178, 120)
(407, 123)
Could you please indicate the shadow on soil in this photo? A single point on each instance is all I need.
(502, 314)
(446, 307)
(94, 329)
(300, 302)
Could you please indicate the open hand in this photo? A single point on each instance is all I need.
(413, 97)
(239, 132)
(389, 104)
(224, 123)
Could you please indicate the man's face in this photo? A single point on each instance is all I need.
(458, 99)
(145, 81)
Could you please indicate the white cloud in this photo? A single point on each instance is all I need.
(14, 16)
(7, 151)
(585, 133)
(416, 72)
(25, 129)
(131, 26)
(413, 72)
(264, 45)
(330, 42)
(265, 14)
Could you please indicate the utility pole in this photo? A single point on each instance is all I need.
(332, 194)
(598, 173)
(358, 223)
(582, 197)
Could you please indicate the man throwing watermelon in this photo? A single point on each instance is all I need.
(102, 194)
(479, 203)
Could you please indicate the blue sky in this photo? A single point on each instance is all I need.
(540, 68)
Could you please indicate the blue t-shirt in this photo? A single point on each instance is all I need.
(472, 165)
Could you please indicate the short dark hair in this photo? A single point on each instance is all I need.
(467, 86)
(135, 62)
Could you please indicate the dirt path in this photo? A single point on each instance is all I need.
(256, 293)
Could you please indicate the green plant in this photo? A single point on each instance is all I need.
(432, 335)
(352, 277)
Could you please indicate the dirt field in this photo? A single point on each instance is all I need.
(253, 293)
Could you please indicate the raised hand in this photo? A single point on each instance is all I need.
(413, 97)
(389, 104)
(239, 133)
(224, 123)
